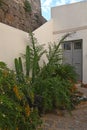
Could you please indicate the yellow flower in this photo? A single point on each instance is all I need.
(5, 72)
(27, 110)
(15, 89)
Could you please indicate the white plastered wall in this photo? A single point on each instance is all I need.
(69, 16)
(13, 41)
(44, 34)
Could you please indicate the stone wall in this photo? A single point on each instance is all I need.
(13, 13)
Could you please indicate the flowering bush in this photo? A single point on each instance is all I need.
(15, 112)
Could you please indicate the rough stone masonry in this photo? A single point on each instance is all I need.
(13, 13)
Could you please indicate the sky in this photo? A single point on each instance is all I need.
(47, 4)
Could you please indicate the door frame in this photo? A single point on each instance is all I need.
(76, 40)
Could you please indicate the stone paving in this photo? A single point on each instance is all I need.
(65, 121)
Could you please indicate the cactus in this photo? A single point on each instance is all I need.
(16, 66)
(19, 69)
(27, 61)
(20, 65)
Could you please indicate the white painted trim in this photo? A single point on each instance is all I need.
(70, 30)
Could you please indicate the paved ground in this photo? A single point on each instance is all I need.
(78, 120)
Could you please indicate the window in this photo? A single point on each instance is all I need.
(77, 45)
(67, 46)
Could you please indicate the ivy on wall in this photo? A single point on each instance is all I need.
(0, 3)
(27, 6)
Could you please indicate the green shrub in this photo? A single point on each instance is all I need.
(15, 110)
(66, 72)
(55, 93)
(54, 81)
(27, 6)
